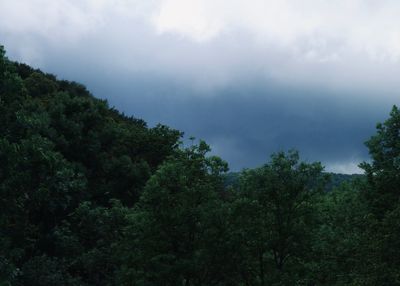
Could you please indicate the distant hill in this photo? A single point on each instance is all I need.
(337, 179)
(232, 179)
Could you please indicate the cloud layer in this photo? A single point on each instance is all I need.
(250, 77)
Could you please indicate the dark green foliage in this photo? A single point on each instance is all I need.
(90, 196)
(44, 270)
(279, 201)
(174, 229)
(339, 236)
(383, 174)
(68, 167)
(92, 260)
(382, 192)
(337, 180)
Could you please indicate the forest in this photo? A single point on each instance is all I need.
(91, 196)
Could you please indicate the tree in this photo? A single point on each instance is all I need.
(12, 93)
(380, 263)
(87, 242)
(280, 197)
(383, 173)
(173, 230)
(340, 235)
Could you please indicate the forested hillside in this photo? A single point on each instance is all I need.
(334, 181)
(90, 196)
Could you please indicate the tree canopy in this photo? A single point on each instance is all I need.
(91, 196)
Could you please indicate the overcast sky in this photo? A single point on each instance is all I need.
(251, 77)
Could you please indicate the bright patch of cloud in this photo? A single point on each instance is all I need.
(345, 168)
(364, 26)
(188, 18)
(299, 58)
(348, 44)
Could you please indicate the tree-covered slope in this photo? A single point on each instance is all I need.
(64, 156)
(91, 197)
(335, 180)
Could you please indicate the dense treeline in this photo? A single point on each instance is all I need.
(89, 196)
(335, 180)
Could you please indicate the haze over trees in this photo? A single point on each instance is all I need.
(90, 196)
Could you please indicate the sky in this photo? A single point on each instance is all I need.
(250, 77)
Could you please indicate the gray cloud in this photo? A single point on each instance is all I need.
(245, 123)
(249, 77)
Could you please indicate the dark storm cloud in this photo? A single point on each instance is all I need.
(269, 75)
(245, 123)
